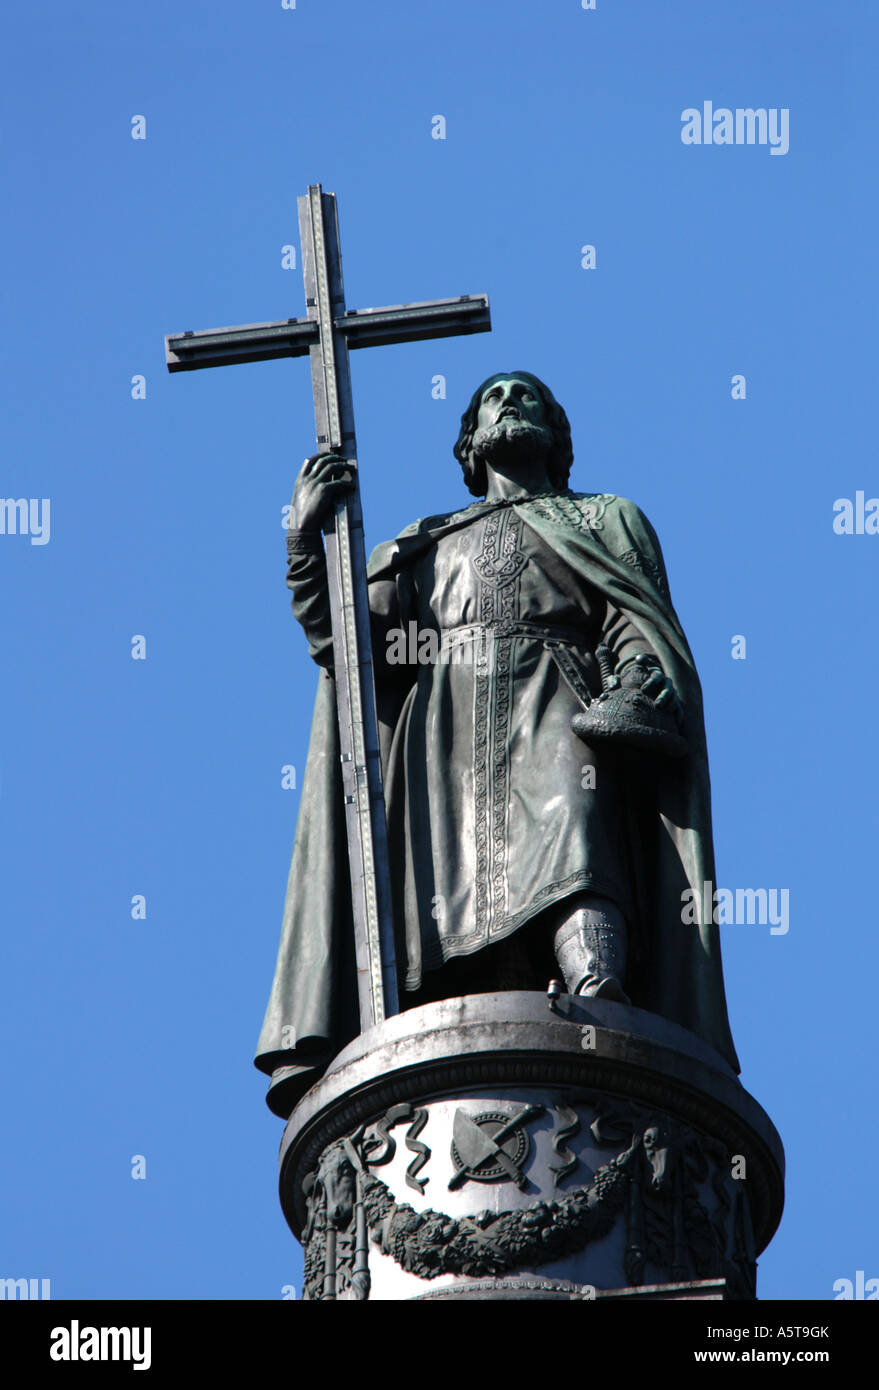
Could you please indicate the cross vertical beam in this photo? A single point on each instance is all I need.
(326, 334)
(349, 606)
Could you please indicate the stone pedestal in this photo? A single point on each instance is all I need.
(496, 1146)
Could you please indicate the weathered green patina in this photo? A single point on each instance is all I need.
(486, 623)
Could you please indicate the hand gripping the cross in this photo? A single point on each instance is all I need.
(323, 480)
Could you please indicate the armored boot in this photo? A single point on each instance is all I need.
(590, 947)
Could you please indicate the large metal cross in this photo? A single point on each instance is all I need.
(326, 334)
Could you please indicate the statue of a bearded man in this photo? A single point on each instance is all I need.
(519, 850)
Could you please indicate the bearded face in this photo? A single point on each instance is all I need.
(511, 424)
(510, 440)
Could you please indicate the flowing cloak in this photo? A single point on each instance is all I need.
(609, 547)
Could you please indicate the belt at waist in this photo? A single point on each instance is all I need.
(568, 647)
(508, 627)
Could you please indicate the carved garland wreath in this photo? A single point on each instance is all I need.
(431, 1243)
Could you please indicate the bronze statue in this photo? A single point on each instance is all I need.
(529, 834)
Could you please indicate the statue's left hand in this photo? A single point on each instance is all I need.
(656, 684)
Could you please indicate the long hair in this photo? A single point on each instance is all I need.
(561, 455)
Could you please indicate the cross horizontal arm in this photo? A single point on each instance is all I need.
(253, 342)
(261, 342)
(409, 323)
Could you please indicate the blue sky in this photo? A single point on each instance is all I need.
(162, 777)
